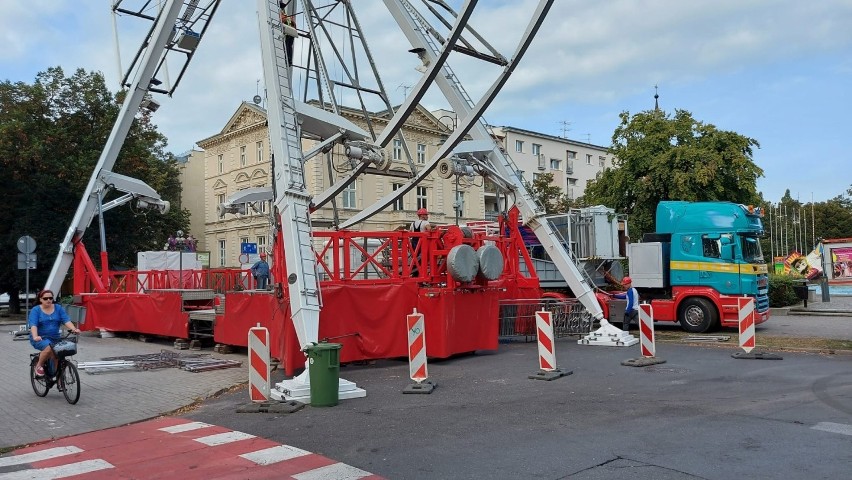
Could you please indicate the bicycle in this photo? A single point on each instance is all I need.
(65, 374)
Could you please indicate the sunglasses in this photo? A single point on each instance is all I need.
(47, 298)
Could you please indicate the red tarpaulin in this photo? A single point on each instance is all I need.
(368, 321)
(155, 313)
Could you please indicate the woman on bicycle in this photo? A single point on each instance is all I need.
(44, 322)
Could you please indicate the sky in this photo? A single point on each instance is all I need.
(779, 71)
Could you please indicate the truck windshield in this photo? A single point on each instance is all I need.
(751, 250)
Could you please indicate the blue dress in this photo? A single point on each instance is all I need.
(48, 325)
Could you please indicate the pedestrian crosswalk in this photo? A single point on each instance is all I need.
(171, 448)
(832, 427)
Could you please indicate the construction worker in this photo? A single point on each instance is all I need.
(260, 271)
(631, 312)
(422, 223)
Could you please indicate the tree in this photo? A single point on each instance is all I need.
(52, 133)
(548, 195)
(662, 157)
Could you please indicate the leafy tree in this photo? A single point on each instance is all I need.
(548, 195)
(52, 133)
(662, 157)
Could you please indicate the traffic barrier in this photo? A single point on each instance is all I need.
(417, 363)
(746, 323)
(647, 342)
(745, 305)
(646, 330)
(546, 349)
(258, 346)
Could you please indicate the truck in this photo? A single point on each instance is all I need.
(701, 259)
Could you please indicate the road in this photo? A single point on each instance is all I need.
(702, 414)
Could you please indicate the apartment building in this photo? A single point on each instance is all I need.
(237, 158)
(571, 162)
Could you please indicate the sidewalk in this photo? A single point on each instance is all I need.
(837, 305)
(107, 399)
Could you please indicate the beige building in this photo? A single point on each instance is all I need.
(572, 163)
(238, 158)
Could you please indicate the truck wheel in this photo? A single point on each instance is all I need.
(697, 315)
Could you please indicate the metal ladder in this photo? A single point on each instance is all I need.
(290, 189)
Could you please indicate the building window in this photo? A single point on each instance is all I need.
(259, 152)
(572, 181)
(220, 199)
(261, 205)
(459, 206)
(243, 156)
(221, 253)
(243, 240)
(421, 198)
(602, 161)
(397, 204)
(519, 146)
(555, 164)
(421, 153)
(261, 244)
(397, 149)
(349, 196)
(571, 155)
(536, 149)
(220, 166)
(588, 159)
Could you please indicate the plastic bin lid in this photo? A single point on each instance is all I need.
(324, 346)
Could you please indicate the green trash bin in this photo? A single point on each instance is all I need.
(324, 360)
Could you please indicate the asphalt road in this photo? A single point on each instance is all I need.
(702, 414)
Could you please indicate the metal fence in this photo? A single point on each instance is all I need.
(517, 318)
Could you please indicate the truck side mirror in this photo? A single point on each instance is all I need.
(727, 252)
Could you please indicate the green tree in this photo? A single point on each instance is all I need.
(52, 133)
(662, 157)
(548, 195)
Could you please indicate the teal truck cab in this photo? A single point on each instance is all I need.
(703, 256)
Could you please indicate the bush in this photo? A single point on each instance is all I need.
(781, 292)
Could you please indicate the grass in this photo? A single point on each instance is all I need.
(769, 342)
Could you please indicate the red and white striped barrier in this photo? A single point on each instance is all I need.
(258, 346)
(546, 348)
(746, 322)
(417, 368)
(647, 341)
(544, 333)
(646, 330)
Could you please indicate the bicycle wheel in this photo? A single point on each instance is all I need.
(69, 382)
(40, 386)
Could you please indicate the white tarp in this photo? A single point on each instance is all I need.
(178, 264)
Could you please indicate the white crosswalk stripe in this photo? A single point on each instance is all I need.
(223, 438)
(38, 456)
(337, 471)
(61, 471)
(268, 456)
(185, 427)
(840, 428)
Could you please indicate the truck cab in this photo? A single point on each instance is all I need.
(703, 256)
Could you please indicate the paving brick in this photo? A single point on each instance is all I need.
(106, 400)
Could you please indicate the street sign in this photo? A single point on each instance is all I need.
(26, 261)
(26, 244)
(248, 248)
